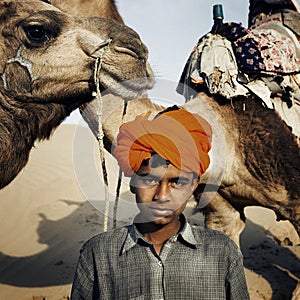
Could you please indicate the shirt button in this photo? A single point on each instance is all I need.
(160, 263)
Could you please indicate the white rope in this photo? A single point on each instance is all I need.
(100, 133)
(117, 198)
(118, 189)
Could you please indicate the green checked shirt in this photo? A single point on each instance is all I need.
(197, 263)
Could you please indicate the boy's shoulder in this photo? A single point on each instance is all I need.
(212, 236)
(115, 237)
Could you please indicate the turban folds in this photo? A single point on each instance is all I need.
(178, 136)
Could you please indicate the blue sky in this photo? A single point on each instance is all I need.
(171, 28)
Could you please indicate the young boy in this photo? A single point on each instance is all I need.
(161, 256)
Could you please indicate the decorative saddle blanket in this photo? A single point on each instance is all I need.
(268, 47)
(263, 60)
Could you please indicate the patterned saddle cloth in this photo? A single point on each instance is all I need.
(268, 47)
(263, 60)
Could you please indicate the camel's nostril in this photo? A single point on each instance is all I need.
(150, 72)
(126, 51)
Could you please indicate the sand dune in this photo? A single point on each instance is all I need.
(45, 218)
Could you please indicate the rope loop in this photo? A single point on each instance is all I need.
(100, 136)
(100, 133)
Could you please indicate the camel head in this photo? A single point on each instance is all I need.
(49, 56)
(47, 70)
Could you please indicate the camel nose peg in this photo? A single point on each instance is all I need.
(101, 46)
(92, 45)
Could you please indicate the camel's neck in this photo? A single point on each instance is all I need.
(113, 116)
(20, 126)
(91, 8)
(109, 9)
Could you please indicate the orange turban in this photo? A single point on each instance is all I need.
(178, 136)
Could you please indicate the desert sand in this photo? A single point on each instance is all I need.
(57, 203)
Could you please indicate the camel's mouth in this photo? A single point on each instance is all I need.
(128, 90)
(127, 86)
(121, 71)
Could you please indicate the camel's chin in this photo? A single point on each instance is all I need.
(128, 90)
(130, 83)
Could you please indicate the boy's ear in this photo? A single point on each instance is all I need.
(132, 186)
(195, 183)
(132, 189)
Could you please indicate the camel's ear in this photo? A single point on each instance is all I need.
(7, 9)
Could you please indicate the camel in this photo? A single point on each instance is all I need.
(238, 176)
(254, 159)
(47, 71)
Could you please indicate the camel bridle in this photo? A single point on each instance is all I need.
(100, 136)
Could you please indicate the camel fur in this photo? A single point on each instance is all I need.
(100, 8)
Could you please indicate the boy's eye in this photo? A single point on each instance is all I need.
(149, 181)
(178, 183)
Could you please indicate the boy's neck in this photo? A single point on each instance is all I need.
(158, 234)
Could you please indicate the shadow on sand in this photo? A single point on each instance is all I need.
(271, 260)
(56, 265)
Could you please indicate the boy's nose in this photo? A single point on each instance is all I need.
(162, 192)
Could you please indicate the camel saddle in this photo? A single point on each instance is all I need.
(263, 60)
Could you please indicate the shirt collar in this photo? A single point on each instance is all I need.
(186, 233)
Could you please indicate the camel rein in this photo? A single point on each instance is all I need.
(100, 137)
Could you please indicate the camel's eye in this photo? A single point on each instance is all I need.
(37, 34)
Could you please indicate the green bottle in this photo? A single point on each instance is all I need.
(218, 19)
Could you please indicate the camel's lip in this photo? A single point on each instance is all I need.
(130, 89)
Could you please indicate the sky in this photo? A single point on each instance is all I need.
(171, 28)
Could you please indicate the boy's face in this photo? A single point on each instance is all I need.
(162, 192)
